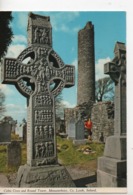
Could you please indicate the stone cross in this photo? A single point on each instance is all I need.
(40, 75)
(117, 71)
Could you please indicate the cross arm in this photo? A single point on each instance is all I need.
(69, 75)
(8, 70)
(112, 69)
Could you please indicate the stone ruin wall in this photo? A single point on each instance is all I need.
(102, 117)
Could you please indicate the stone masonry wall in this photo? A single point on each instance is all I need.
(86, 64)
(103, 120)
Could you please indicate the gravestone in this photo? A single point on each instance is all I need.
(40, 79)
(112, 166)
(71, 128)
(5, 132)
(14, 154)
(79, 133)
(25, 132)
(62, 127)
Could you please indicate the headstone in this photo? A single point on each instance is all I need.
(14, 154)
(25, 132)
(40, 80)
(5, 132)
(79, 133)
(72, 129)
(11, 121)
(62, 127)
(112, 166)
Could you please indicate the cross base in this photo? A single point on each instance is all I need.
(112, 169)
(115, 147)
(44, 176)
(111, 172)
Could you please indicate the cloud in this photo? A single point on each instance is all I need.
(6, 89)
(61, 20)
(19, 39)
(68, 104)
(15, 50)
(16, 108)
(18, 112)
(22, 20)
(99, 68)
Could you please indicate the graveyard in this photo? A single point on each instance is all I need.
(85, 149)
(72, 157)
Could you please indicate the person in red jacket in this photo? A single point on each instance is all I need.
(88, 125)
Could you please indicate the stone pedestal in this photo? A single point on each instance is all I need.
(112, 166)
(44, 176)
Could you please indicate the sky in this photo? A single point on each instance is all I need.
(109, 27)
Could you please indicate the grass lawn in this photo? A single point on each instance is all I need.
(68, 154)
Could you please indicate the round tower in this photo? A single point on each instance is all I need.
(86, 64)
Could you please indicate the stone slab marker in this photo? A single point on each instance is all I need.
(79, 133)
(39, 74)
(112, 166)
(5, 132)
(71, 128)
(14, 154)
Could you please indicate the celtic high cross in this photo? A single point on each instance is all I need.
(117, 71)
(39, 74)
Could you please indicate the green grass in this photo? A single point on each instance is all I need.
(68, 154)
(3, 159)
(73, 155)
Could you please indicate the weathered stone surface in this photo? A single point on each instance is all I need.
(116, 147)
(102, 117)
(111, 172)
(86, 64)
(112, 167)
(14, 154)
(5, 132)
(104, 179)
(72, 129)
(80, 133)
(70, 113)
(40, 75)
(50, 176)
(34, 80)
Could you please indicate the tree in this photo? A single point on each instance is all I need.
(5, 32)
(2, 106)
(104, 89)
(59, 106)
